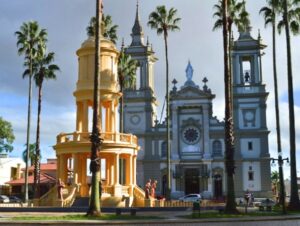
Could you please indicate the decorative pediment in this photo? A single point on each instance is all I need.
(192, 92)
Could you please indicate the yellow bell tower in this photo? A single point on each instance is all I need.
(118, 152)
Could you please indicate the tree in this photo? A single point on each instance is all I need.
(290, 12)
(43, 69)
(237, 15)
(275, 180)
(96, 141)
(269, 13)
(32, 148)
(6, 136)
(229, 133)
(127, 77)
(228, 13)
(30, 37)
(109, 30)
(164, 21)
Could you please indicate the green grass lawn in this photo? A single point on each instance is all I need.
(84, 217)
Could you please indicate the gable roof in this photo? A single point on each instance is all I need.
(192, 92)
(44, 179)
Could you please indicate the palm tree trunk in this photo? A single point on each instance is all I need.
(229, 137)
(94, 206)
(168, 136)
(28, 130)
(294, 203)
(37, 147)
(281, 180)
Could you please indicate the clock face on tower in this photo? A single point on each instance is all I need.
(191, 135)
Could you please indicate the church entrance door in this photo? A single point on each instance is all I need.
(164, 185)
(192, 181)
(218, 187)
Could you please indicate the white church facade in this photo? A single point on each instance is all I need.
(197, 137)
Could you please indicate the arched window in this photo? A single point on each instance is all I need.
(164, 149)
(217, 148)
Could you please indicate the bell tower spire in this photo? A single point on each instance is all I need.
(137, 30)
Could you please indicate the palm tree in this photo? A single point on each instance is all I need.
(164, 21)
(109, 30)
(31, 153)
(275, 178)
(29, 38)
(127, 77)
(237, 15)
(229, 136)
(96, 141)
(43, 69)
(290, 12)
(269, 12)
(228, 13)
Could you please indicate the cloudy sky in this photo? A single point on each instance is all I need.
(66, 21)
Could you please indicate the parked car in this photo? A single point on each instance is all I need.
(14, 199)
(4, 199)
(191, 198)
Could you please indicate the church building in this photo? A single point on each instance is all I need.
(197, 137)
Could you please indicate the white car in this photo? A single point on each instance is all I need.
(191, 198)
(4, 199)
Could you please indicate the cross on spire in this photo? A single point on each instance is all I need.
(137, 29)
(205, 88)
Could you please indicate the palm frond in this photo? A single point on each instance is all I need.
(280, 25)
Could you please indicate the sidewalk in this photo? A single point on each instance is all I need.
(170, 218)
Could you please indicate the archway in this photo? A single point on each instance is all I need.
(192, 181)
(218, 193)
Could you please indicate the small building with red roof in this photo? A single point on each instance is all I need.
(47, 179)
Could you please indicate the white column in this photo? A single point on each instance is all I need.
(209, 183)
(256, 70)
(174, 144)
(207, 154)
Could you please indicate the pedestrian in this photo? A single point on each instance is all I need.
(247, 197)
(153, 188)
(60, 186)
(147, 189)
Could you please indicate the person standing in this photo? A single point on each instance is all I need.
(148, 189)
(153, 188)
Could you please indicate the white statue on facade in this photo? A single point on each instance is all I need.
(189, 71)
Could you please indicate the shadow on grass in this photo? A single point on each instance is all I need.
(84, 217)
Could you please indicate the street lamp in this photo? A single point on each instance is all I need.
(280, 161)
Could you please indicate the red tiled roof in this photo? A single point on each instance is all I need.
(44, 179)
(44, 167)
